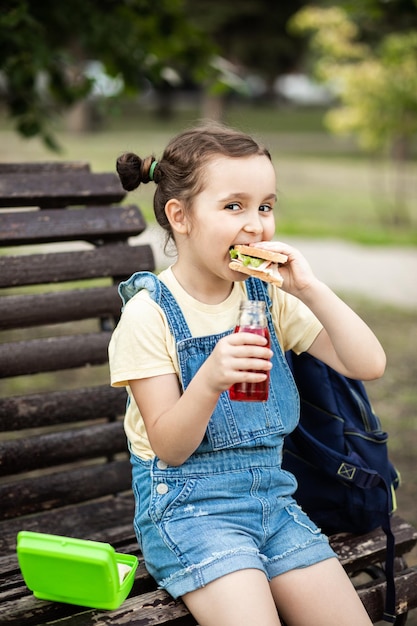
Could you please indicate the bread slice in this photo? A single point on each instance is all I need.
(262, 253)
(274, 278)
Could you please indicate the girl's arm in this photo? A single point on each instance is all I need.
(346, 343)
(176, 422)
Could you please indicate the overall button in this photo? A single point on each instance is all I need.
(162, 488)
(160, 464)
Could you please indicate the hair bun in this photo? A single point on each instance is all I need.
(128, 167)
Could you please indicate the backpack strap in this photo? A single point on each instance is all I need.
(389, 609)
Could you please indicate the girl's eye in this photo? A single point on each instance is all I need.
(233, 206)
(265, 208)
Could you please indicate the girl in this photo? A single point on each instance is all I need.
(215, 517)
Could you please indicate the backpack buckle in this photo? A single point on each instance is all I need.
(346, 471)
(366, 479)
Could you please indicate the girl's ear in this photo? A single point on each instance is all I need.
(176, 216)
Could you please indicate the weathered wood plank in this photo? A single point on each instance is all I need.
(358, 551)
(111, 260)
(32, 612)
(54, 449)
(61, 407)
(53, 353)
(59, 189)
(148, 608)
(59, 307)
(95, 223)
(45, 492)
(108, 518)
(373, 594)
(44, 167)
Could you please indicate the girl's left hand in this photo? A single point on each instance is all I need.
(296, 272)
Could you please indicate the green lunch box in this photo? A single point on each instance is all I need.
(76, 571)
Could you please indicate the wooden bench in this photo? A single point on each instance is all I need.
(64, 467)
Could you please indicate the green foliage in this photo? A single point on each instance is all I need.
(44, 47)
(377, 87)
(380, 95)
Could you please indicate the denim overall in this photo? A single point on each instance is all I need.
(229, 505)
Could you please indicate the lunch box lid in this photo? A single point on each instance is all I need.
(76, 571)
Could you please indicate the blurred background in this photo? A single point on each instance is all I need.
(330, 87)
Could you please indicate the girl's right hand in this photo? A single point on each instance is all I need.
(239, 357)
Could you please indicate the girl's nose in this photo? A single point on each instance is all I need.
(254, 225)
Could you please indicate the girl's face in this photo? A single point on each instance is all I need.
(235, 207)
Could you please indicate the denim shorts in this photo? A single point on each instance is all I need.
(194, 525)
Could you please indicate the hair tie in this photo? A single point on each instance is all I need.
(152, 169)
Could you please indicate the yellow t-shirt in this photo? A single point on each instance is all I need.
(142, 345)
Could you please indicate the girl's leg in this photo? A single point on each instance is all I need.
(319, 595)
(242, 598)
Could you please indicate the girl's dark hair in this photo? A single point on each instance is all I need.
(180, 172)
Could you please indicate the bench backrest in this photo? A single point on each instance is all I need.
(64, 246)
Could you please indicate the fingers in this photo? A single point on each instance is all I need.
(249, 351)
(238, 357)
(247, 339)
(249, 347)
(275, 246)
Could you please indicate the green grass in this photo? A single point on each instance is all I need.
(326, 186)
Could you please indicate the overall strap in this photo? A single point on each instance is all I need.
(160, 293)
(256, 290)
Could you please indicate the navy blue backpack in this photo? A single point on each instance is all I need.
(339, 455)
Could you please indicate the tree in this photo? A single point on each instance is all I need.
(44, 46)
(377, 87)
(252, 34)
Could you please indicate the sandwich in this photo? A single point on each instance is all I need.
(258, 261)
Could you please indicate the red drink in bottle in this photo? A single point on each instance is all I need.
(252, 319)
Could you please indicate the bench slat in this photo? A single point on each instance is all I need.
(27, 227)
(147, 609)
(373, 594)
(108, 518)
(59, 189)
(54, 449)
(45, 492)
(44, 167)
(111, 260)
(58, 307)
(53, 353)
(359, 551)
(61, 407)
